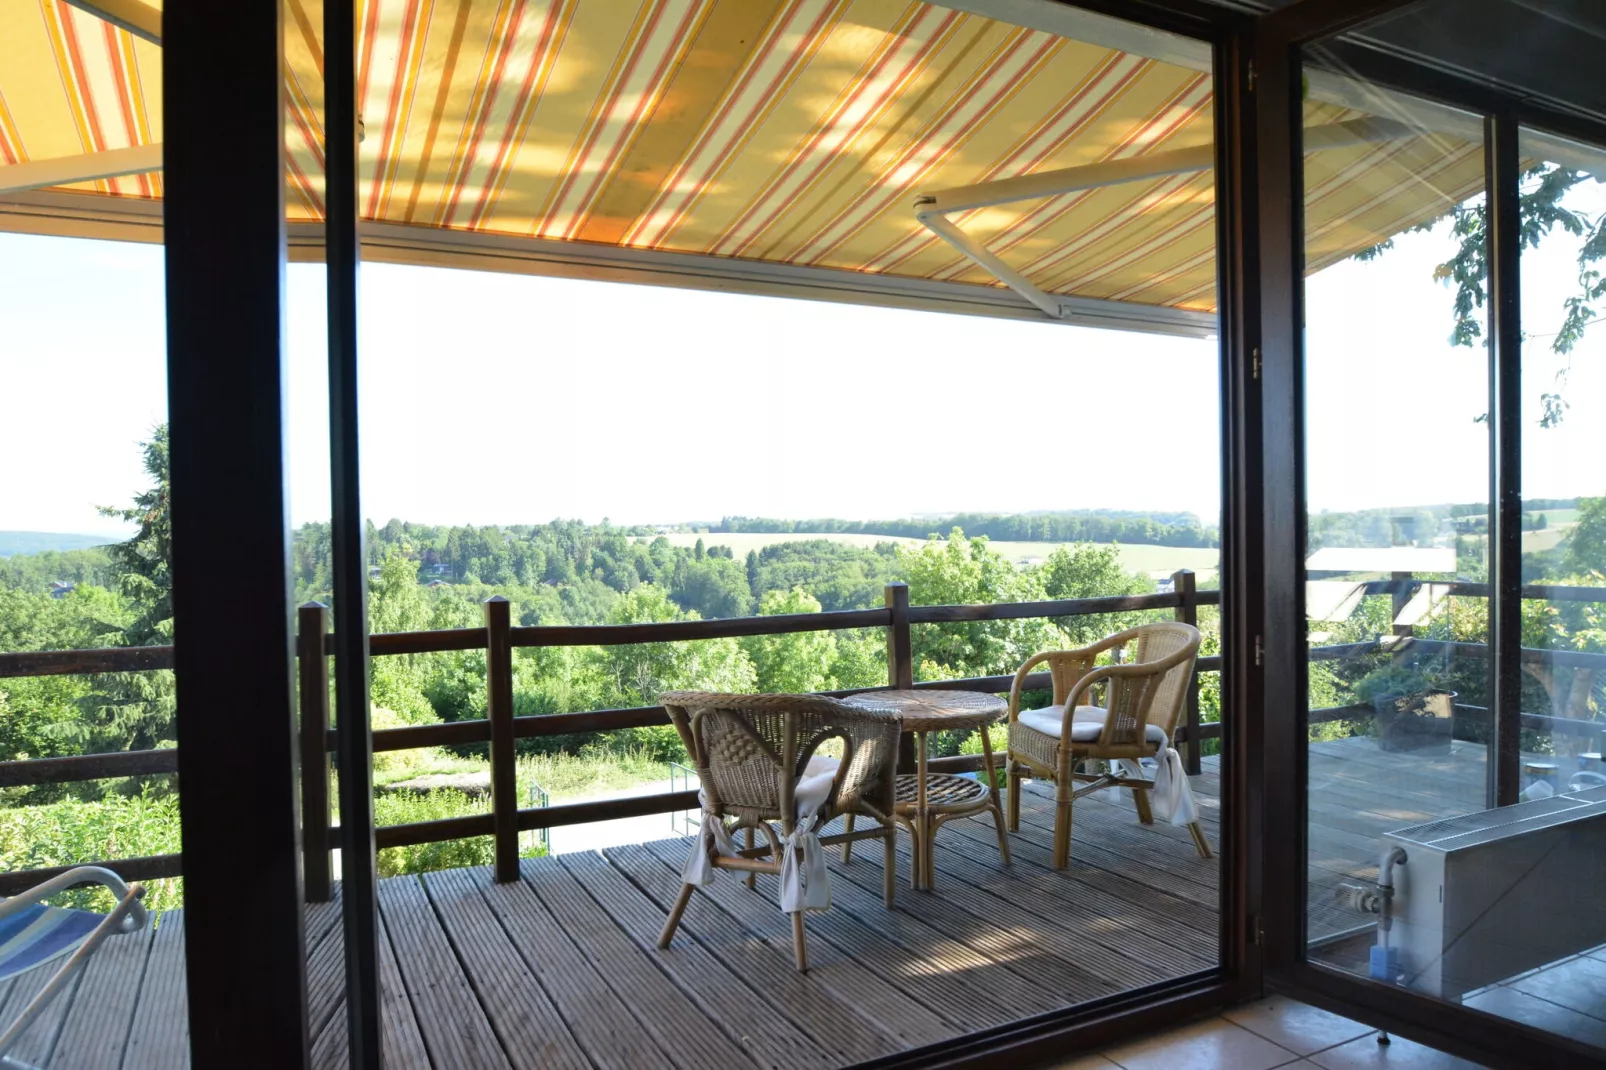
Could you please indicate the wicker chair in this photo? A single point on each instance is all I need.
(1142, 700)
(755, 756)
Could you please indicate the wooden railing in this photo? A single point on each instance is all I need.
(501, 728)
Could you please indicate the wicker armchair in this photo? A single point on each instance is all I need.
(756, 756)
(1142, 700)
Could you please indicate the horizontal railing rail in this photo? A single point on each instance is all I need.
(506, 818)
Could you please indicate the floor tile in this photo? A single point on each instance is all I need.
(1083, 1062)
(1540, 1013)
(1367, 1054)
(1214, 1044)
(1578, 984)
(1297, 1026)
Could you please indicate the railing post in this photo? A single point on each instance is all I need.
(312, 621)
(1400, 597)
(900, 661)
(1185, 585)
(499, 710)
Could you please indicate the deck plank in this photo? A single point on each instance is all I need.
(900, 1015)
(601, 1022)
(834, 1025)
(403, 1045)
(1081, 892)
(663, 1009)
(1083, 961)
(95, 1030)
(1023, 951)
(530, 1028)
(159, 1037)
(723, 996)
(35, 1045)
(455, 1030)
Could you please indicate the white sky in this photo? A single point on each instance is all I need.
(503, 398)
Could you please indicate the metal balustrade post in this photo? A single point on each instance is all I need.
(1399, 598)
(900, 660)
(1185, 585)
(499, 711)
(312, 673)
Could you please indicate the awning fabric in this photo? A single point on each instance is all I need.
(792, 132)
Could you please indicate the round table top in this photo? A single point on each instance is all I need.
(936, 710)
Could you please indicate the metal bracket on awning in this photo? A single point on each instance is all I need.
(933, 209)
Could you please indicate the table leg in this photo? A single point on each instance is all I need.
(992, 788)
(922, 814)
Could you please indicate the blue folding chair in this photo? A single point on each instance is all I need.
(33, 934)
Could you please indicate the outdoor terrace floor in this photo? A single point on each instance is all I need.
(560, 970)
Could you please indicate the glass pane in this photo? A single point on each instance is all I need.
(1564, 564)
(1397, 376)
(87, 697)
(659, 339)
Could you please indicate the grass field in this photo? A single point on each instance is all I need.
(1549, 539)
(1136, 558)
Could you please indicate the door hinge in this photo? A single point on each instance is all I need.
(1251, 76)
(1260, 652)
(1257, 931)
(1254, 363)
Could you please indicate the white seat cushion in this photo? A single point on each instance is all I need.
(815, 784)
(1087, 724)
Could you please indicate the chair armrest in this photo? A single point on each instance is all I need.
(1016, 685)
(133, 919)
(867, 729)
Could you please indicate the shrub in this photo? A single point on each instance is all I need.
(75, 832)
(405, 808)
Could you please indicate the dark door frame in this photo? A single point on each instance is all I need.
(223, 113)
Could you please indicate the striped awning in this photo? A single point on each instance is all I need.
(757, 136)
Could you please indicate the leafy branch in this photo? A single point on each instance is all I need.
(1540, 211)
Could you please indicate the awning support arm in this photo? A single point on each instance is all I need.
(63, 170)
(139, 19)
(932, 209)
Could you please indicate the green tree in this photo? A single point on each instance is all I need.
(135, 711)
(797, 662)
(962, 571)
(1586, 543)
(1088, 571)
(1540, 212)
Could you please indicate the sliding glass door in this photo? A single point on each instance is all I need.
(1449, 733)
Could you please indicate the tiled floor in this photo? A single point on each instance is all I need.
(1275, 1032)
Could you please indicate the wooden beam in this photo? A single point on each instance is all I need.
(86, 167)
(139, 19)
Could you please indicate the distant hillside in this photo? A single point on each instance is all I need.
(37, 542)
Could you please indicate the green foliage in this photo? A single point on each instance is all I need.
(1540, 211)
(136, 710)
(838, 575)
(798, 662)
(1399, 678)
(75, 832)
(1586, 544)
(37, 573)
(963, 571)
(1088, 571)
(404, 808)
(1092, 525)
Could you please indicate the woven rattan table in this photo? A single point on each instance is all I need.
(924, 799)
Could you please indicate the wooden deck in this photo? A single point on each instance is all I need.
(559, 969)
